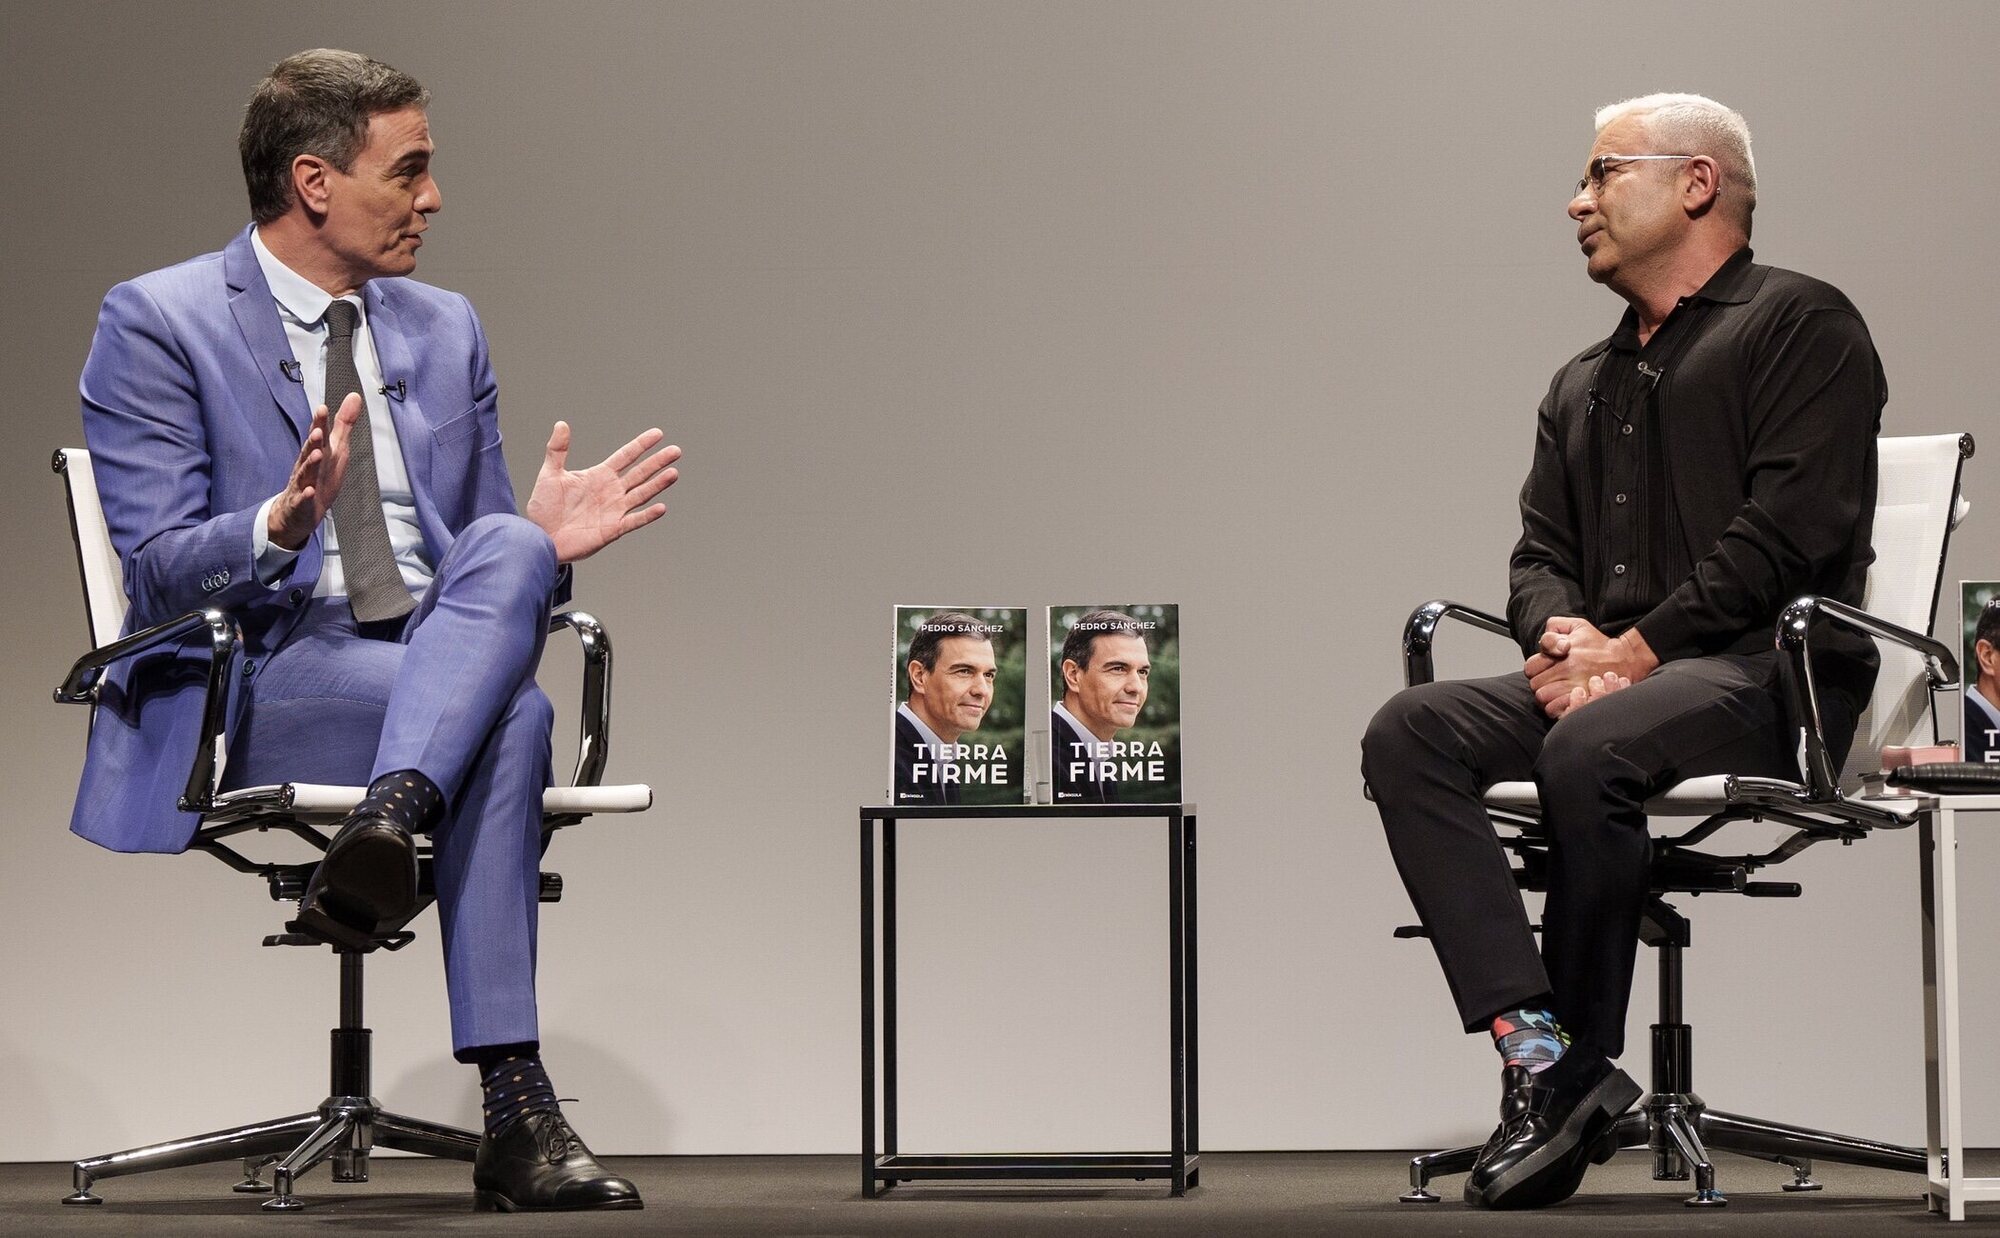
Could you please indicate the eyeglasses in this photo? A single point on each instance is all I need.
(1593, 180)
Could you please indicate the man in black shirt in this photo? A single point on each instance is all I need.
(1711, 460)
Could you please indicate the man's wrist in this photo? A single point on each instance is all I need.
(276, 536)
(1638, 654)
(274, 528)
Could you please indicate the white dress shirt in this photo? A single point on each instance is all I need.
(302, 306)
(1084, 734)
(1992, 712)
(924, 733)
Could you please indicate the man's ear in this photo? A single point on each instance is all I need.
(1072, 674)
(1704, 179)
(310, 182)
(917, 676)
(1988, 656)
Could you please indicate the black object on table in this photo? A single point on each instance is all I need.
(1949, 777)
(883, 1165)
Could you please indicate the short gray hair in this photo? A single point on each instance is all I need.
(1697, 125)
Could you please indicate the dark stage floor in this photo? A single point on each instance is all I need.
(1242, 1194)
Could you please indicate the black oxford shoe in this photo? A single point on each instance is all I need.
(1552, 1126)
(537, 1164)
(367, 881)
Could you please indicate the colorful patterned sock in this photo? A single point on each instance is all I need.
(1529, 1038)
(405, 797)
(515, 1084)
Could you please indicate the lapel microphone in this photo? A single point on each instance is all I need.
(398, 390)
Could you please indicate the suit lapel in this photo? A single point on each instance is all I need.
(257, 318)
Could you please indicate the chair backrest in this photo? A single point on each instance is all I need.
(103, 578)
(1917, 504)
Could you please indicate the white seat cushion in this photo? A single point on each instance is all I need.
(1696, 797)
(315, 799)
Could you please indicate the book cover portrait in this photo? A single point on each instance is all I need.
(960, 705)
(1115, 704)
(1980, 740)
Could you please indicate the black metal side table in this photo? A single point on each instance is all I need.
(885, 1164)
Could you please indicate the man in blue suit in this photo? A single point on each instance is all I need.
(294, 431)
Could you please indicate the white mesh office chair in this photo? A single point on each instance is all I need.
(350, 1121)
(1917, 505)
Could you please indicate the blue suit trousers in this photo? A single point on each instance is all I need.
(450, 693)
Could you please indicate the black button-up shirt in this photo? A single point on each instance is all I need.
(1694, 485)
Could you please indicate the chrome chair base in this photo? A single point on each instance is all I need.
(1675, 1124)
(1680, 1130)
(344, 1129)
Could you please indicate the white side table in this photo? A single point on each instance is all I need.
(1937, 846)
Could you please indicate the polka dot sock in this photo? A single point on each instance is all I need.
(405, 797)
(515, 1084)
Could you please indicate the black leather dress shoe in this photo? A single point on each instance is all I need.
(537, 1163)
(1552, 1126)
(367, 881)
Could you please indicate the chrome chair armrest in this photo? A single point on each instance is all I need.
(79, 687)
(1420, 633)
(81, 684)
(593, 737)
(1794, 641)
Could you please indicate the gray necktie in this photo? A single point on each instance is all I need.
(375, 586)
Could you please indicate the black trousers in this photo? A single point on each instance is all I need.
(1433, 749)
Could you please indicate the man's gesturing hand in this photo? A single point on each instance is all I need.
(1574, 653)
(583, 512)
(316, 476)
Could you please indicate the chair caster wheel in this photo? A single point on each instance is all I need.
(1710, 1198)
(283, 1203)
(1806, 1185)
(250, 1186)
(82, 1198)
(1417, 1195)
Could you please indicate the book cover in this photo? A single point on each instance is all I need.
(1115, 704)
(960, 705)
(1979, 662)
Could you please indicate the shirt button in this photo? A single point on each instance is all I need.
(249, 668)
(1620, 500)
(1626, 428)
(299, 595)
(1618, 569)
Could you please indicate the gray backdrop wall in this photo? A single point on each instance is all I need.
(1267, 292)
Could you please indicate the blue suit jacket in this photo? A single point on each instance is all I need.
(191, 425)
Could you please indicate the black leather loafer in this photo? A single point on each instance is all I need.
(538, 1164)
(368, 878)
(1552, 1126)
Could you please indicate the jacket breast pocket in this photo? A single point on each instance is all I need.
(452, 430)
